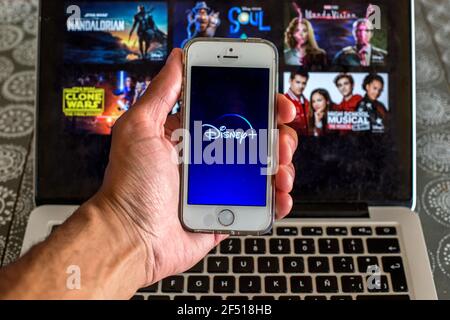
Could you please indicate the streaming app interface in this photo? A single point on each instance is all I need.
(229, 114)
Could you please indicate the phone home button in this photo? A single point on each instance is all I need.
(226, 217)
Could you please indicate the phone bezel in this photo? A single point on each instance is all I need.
(253, 53)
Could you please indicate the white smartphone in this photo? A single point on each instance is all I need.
(229, 113)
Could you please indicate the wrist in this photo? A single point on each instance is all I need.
(126, 248)
(108, 259)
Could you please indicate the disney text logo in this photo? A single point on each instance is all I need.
(214, 133)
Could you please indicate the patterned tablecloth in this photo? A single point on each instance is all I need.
(18, 31)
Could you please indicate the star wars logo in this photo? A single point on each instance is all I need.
(83, 102)
(92, 21)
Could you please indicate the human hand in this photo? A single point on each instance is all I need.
(142, 181)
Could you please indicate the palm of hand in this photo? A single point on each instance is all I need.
(146, 182)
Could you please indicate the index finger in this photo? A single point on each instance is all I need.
(164, 90)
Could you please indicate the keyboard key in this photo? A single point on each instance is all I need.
(383, 245)
(343, 265)
(394, 266)
(301, 284)
(198, 284)
(150, 289)
(54, 228)
(337, 231)
(263, 298)
(318, 265)
(173, 284)
(362, 231)
(377, 283)
(304, 246)
(293, 265)
(218, 264)
(231, 246)
(243, 265)
(137, 297)
(383, 297)
(158, 298)
(224, 284)
(211, 298)
(289, 298)
(249, 284)
(280, 246)
(276, 285)
(237, 298)
(316, 298)
(342, 298)
(326, 284)
(312, 231)
(386, 231)
(255, 246)
(353, 245)
(287, 231)
(268, 265)
(366, 264)
(213, 250)
(198, 268)
(185, 298)
(352, 284)
(328, 246)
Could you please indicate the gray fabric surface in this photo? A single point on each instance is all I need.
(18, 29)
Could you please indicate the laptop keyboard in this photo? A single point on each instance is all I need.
(295, 263)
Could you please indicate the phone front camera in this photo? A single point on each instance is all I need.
(231, 50)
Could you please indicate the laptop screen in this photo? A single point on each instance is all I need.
(346, 65)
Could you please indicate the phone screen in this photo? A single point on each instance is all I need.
(229, 117)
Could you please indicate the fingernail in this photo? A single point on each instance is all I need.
(172, 53)
(292, 144)
(291, 173)
(293, 112)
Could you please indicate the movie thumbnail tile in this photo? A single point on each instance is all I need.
(320, 35)
(115, 32)
(338, 103)
(230, 19)
(93, 102)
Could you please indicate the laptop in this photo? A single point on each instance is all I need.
(352, 233)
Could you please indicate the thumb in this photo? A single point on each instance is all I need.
(164, 91)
